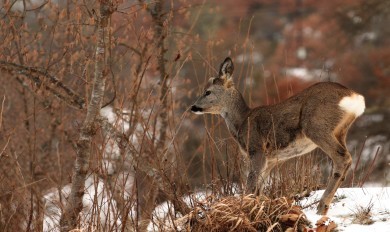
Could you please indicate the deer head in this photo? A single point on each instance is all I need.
(220, 93)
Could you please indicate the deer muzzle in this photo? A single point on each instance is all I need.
(196, 110)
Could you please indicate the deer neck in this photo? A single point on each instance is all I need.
(235, 113)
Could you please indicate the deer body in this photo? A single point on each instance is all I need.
(319, 116)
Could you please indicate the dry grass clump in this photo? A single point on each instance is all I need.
(363, 215)
(243, 213)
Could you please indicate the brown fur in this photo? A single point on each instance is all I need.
(268, 134)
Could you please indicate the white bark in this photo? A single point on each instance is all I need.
(74, 206)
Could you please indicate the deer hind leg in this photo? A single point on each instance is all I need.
(334, 146)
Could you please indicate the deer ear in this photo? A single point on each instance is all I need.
(226, 69)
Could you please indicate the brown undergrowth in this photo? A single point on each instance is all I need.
(243, 213)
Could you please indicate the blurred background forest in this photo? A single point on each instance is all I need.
(145, 146)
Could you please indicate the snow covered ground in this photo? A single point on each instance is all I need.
(352, 202)
(348, 204)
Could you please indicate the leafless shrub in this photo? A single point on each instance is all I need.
(362, 215)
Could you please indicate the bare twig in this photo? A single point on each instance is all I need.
(5, 147)
(1, 111)
(370, 168)
(23, 187)
(51, 83)
(358, 161)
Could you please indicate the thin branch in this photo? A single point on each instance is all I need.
(131, 48)
(23, 187)
(1, 111)
(9, 9)
(5, 147)
(38, 7)
(51, 83)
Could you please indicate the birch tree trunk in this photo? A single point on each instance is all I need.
(69, 217)
(160, 35)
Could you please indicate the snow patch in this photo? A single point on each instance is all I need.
(308, 74)
(253, 58)
(164, 214)
(348, 201)
(96, 196)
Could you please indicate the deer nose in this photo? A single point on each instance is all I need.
(195, 109)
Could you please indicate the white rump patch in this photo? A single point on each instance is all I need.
(353, 104)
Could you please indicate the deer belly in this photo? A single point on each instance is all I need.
(296, 148)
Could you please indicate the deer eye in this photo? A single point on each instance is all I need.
(207, 93)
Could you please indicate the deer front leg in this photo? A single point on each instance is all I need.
(259, 171)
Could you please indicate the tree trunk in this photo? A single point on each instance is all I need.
(74, 206)
(147, 202)
(160, 35)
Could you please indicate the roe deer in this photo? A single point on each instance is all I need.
(319, 116)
